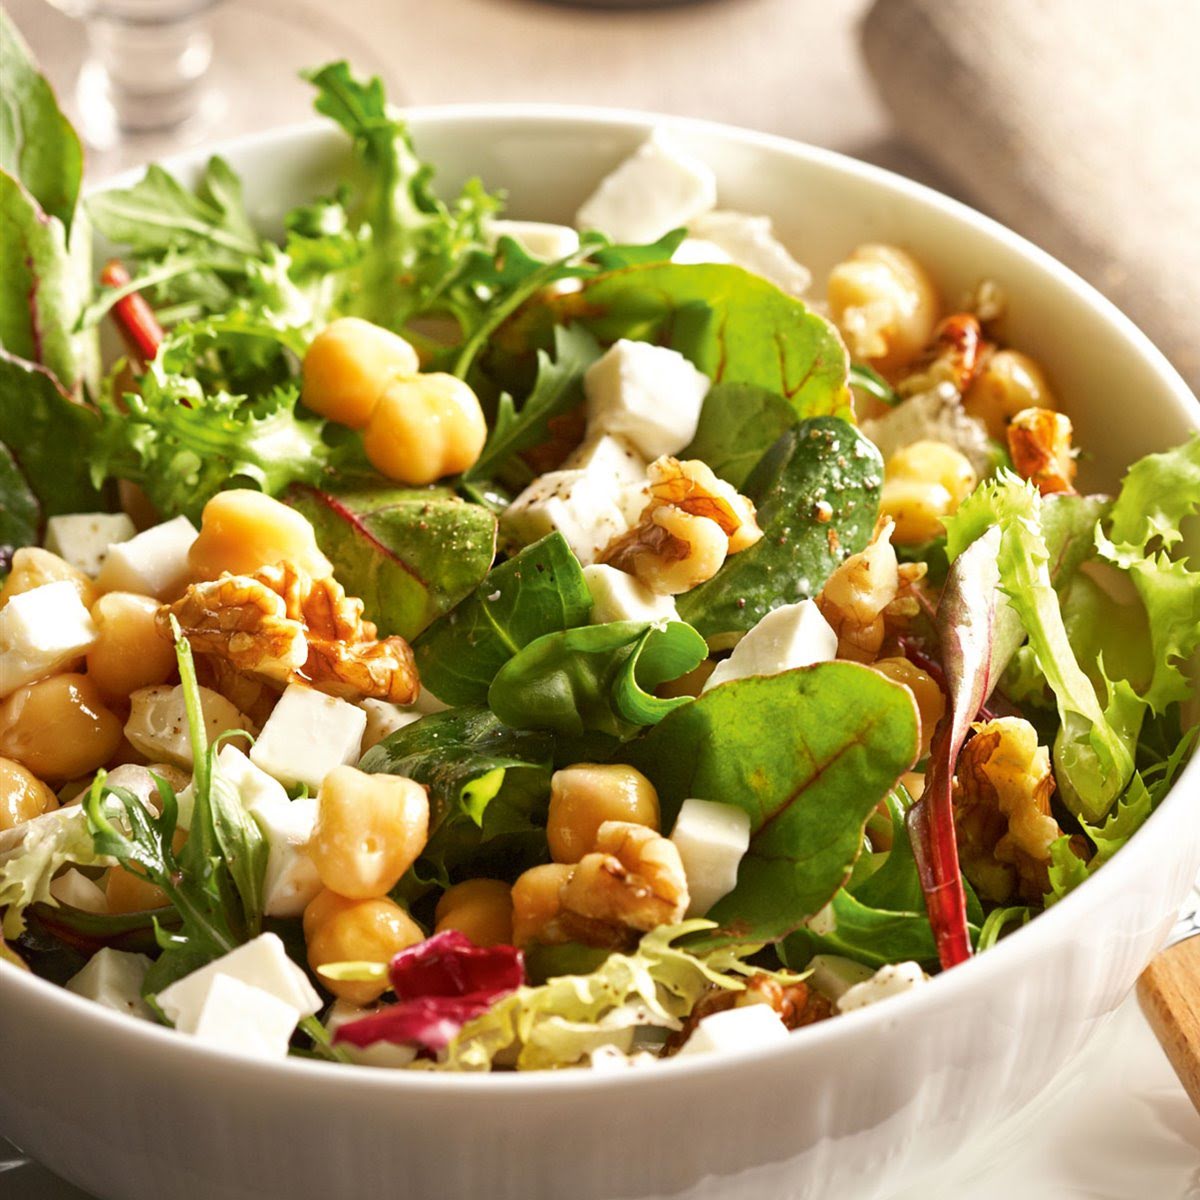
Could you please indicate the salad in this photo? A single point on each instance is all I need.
(449, 642)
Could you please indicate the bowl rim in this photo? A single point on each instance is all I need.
(1004, 956)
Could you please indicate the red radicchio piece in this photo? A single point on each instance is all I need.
(966, 624)
(440, 985)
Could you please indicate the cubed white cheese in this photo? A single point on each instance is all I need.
(114, 978)
(617, 596)
(260, 963)
(743, 1028)
(383, 719)
(307, 735)
(539, 238)
(291, 878)
(253, 786)
(158, 727)
(74, 889)
(750, 242)
(892, 979)
(823, 922)
(608, 457)
(649, 394)
(712, 838)
(579, 504)
(659, 188)
(154, 563)
(237, 1016)
(795, 635)
(381, 1054)
(696, 250)
(41, 631)
(83, 539)
(833, 976)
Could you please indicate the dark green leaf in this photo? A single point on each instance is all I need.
(20, 513)
(539, 590)
(410, 554)
(808, 754)
(817, 495)
(739, 423)
(597, 678)
(871, 936)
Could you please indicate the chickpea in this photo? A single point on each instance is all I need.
(1009, 382)
(584, 796)
(341, 930)
(32, 567)
(537, 904)
(59, 727)
(930, 699)
(243, 531)
(369, 831)
(480, 908)
(691, 684)
(348, 365)
(23, 795)
(670, 551)
(923, 483)
(129, 653)
(425, 428)
(127, 892)
(884, 304)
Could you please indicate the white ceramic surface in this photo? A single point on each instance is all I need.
(850, 1107)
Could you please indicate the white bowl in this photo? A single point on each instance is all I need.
(850, 1108)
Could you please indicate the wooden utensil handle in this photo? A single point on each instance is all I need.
(1169, 993)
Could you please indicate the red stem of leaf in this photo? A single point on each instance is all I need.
(135, 318)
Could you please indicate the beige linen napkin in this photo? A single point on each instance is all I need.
(1076, 122)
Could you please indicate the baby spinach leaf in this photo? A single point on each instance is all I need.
(537, 591)
(20, 514)
(739, 423)
(411, 554)
(489, 786)
(597, 678)
(817, 494)
(37, 144)
(808, 754)
(871, 936)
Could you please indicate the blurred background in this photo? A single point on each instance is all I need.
(1076, 122)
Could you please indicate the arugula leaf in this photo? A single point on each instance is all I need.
(597, 678)
(489, 787)
(808, 754)
(20, 513)
(558, 389)
(535, 592)
(37, 144)
(410, 554)
(817, 495)
(739, 423)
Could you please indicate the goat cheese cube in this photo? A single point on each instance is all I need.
(693, 250)
(158, 726)
(610, 457)
(580, 504)
(74, 889)
(743, 1028)
(712, 838)
(154, 563)
(383, 719)
(833, 976)
(83, 539)
(750, 242)
(307, 735)
(41, 631)
(261, 963)
(538, 238)
(892, 979)
(379, 1054)
(650, 395)
(659, 188)
(291, 878)
(795, 635)
(253, 786)
(617, 596)
(237, 1016)
(114, 978)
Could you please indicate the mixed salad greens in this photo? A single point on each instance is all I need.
(620, 657)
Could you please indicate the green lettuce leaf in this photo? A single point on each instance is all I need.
(871, 936)
(537, 591)
(817, 496)
(597, 678)
(409, 554)
(808, 754)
